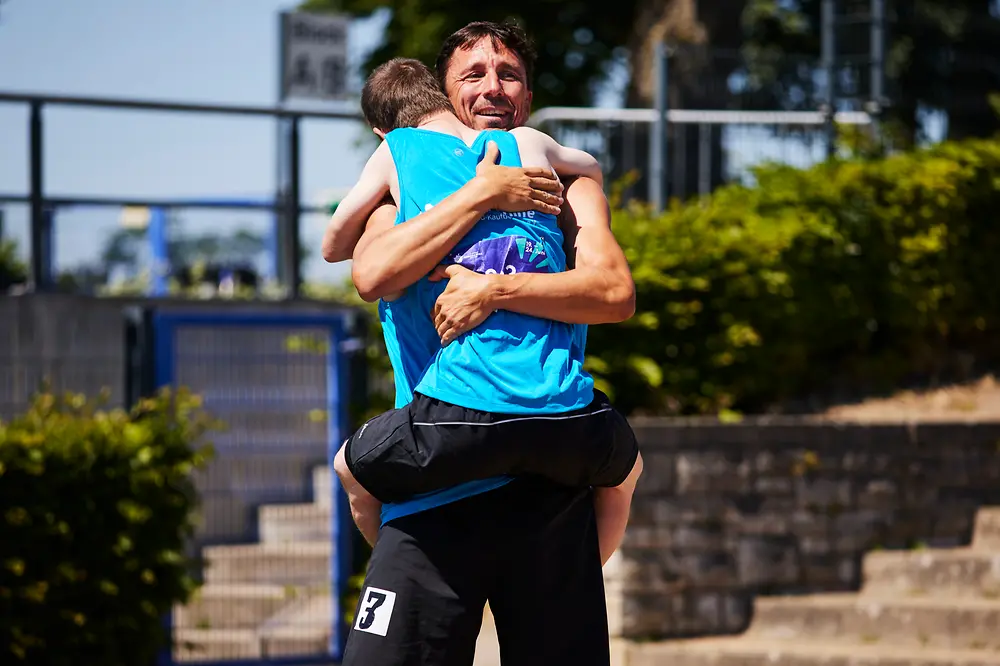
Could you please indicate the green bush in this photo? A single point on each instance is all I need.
(96, 509)
(852, 275)
(12, 269)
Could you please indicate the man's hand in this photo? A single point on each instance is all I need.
(391, 257)
(516, 190)
(465, 303)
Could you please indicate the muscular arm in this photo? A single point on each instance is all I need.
(567, 162)
(597, 288)
(389, 258)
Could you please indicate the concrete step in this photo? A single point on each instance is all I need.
(281, 523)
(322, 485)
(229, 606)
(743, 651)
(962, 624)
(304, 563)
(229, 644)
(306, 641)
(215, 644)
(957, 572)
(986, 535)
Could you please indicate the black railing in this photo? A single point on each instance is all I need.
(287, 203)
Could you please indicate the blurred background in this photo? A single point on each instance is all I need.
(807, 194)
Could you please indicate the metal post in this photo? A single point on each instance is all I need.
(156, 237)
(291, 270)
(658, 135)
(704, 158)
(828, 47)
(41, 224)
(877, 92)
(280, 161)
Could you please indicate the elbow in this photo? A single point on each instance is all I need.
(332, 253)
(621, 301)
(367, 281)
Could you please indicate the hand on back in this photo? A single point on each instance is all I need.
(516, 189)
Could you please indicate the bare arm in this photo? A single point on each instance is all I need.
(393, 258)
(348, 222)
(567, 162)
(597, 288)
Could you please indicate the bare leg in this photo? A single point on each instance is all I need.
(611, 505)
(365, 509)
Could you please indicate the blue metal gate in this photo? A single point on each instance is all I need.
(275, 531)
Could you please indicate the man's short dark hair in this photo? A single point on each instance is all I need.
(508, 34)
(401, 93)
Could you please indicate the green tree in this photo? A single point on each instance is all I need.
(940, 55)
(578, 42)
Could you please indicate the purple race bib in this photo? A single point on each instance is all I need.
(506, 254)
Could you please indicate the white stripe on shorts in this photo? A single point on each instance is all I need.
(521, 418)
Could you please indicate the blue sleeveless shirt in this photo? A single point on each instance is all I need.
(511, 363)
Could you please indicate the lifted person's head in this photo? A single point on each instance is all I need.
(401, 93)
(485, 69)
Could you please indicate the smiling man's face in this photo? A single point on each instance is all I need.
(488, 86)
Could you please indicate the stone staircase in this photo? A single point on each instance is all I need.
(272, 599)
(915, 608)
(267, 599)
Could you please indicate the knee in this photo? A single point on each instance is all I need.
(636, 469)
(340, 466)
(633, 477)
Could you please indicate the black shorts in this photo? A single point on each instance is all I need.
(429, 445)
(529, 548)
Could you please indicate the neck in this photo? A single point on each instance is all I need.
(438, 118)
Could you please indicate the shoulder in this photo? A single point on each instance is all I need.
(529, 136)
(526, 132)
(382, 157)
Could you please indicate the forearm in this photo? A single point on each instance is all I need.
(339, 242)
(584, 295)
(399, 256)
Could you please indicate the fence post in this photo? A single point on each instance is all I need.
(658, 137)
(828, 47)
(289, 263)
(41, 221)
(705, 158)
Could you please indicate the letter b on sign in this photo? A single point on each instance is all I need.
(375, 611)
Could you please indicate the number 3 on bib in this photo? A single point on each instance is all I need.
(375, 611)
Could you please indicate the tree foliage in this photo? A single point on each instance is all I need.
(853, 276)
(940, 55)
(12, 269)
(576, 40)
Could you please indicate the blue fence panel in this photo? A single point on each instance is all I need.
(275, 530)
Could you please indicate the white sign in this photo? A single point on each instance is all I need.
(314, 56)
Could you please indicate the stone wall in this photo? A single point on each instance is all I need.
(787, 506)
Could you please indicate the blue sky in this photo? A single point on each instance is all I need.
(213, 51)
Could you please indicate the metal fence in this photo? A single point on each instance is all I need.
(275, 532)
(283, 212)
(704, 149)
